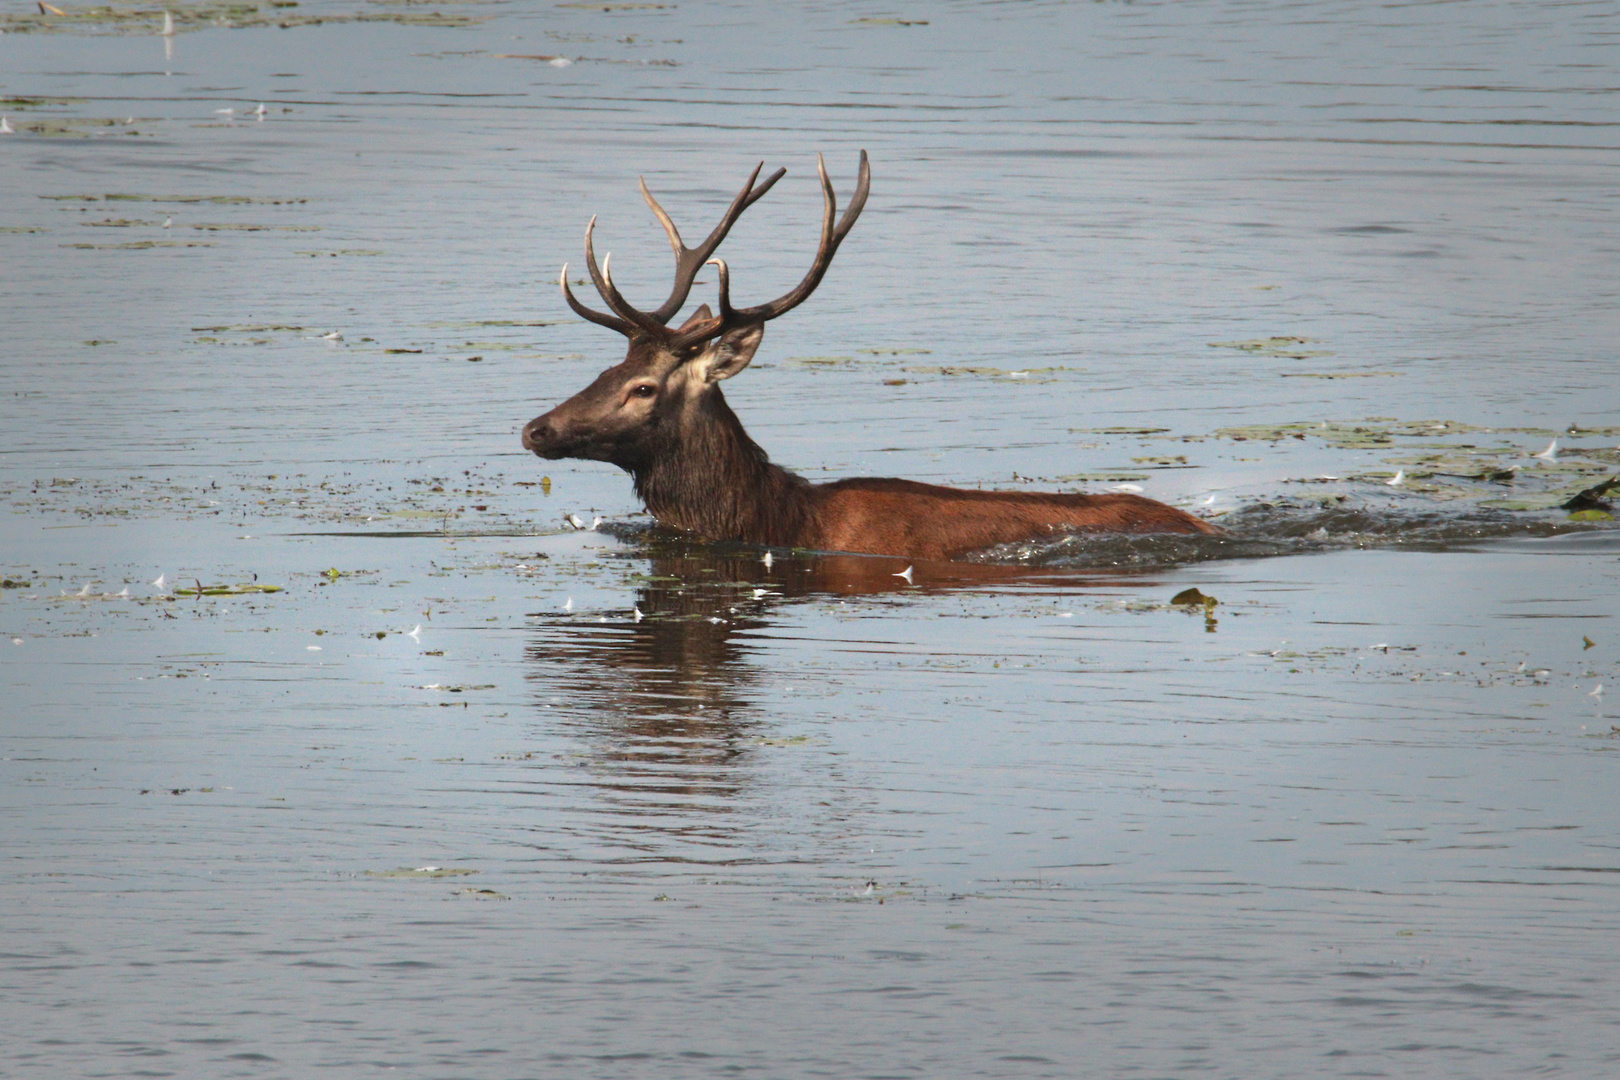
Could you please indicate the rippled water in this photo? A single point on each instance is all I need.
(475, 793)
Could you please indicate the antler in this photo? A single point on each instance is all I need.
(627, 319)
(831, 237)
(630, 321)
(688, 261)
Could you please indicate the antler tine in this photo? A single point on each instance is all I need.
(688, 261)
(663, 219)
(604, 286)
(725, 286)
(857, 202)
(831, 236)
(706, 330)
(597, 317)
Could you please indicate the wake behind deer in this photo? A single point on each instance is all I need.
(661, 417)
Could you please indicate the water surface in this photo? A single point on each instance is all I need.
(479, 794)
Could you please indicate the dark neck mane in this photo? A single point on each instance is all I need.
(711, 479)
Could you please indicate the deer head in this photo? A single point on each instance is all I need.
(662, 404)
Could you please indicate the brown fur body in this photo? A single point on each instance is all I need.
(924, 521)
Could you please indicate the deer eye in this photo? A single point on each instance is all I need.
(645, 390)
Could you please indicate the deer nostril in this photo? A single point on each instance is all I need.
(534, 433)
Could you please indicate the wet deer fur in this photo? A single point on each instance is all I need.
(661, 417)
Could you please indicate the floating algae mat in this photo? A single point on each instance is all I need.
(246, 589)
(1285, 347)
(1348, 436)
(114, 19)
(327, 501)
(1447, 459)
(421, 873)
(143, 245)
(1031, 374)
(76, 127)
(1382, 431)
(216, 200)
(13, 104)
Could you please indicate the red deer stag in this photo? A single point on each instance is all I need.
(660, 416)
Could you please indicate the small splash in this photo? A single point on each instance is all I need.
(1289, 527)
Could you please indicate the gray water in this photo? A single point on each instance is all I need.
(476, 793)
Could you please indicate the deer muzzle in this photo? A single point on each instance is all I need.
(541, 437)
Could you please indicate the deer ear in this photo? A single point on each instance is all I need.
(701, 315)
(731, 352)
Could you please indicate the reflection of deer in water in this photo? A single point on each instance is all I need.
(670, 704)
(667, 699)
(664, 706)
(680, 668)
(660, 415)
